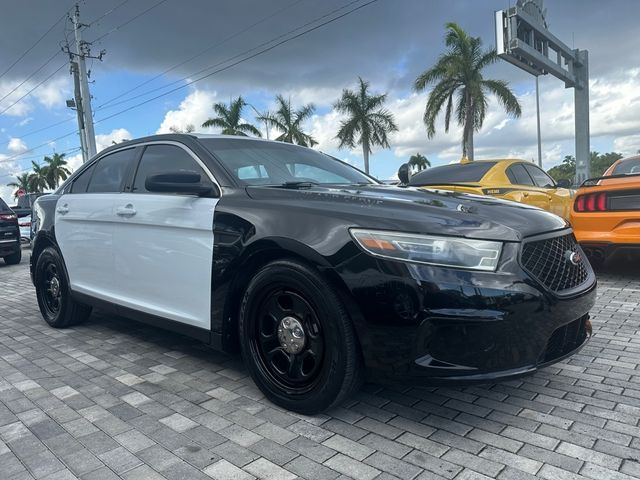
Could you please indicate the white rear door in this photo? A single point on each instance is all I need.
(84, 224)
(163, 243)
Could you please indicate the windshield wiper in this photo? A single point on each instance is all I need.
(305, 184)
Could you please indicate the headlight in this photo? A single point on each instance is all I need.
(430, 249)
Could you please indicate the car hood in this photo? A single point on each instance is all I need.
(421, 210)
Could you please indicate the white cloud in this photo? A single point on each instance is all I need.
(194, 110)
(54, 92)
(627, 145)
(16, 145)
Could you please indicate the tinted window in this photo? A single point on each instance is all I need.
(254, 162)
(3, 206)
(631, 166)
(110, 172)
(518, 175)
(82, 181)
(540, 178)
(457, 173)
(163, 159)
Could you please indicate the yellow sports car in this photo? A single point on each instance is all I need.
(516, 180)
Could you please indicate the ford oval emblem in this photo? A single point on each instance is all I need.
(574, 258)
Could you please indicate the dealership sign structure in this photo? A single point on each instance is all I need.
(522, 38)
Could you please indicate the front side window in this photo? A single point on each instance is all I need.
(540, 178)
(253, 162)
(110, 172)
(518, 175)
(163, 159)
(81, 182)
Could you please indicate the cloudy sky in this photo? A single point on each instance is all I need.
(157, 52)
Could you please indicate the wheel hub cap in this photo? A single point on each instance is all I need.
(291, 335)
(55, 287)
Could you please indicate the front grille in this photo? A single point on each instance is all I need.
(548, 261)
(565, 339)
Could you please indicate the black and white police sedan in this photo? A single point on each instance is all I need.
(318, 273)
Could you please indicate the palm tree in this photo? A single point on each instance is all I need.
(367, 123)
(289, 122)
(21, 183)
(459, 72)
(229, 119)
(38, 181)
(419, 162)
(56, 169)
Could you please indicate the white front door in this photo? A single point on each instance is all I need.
(84, 224)
(163, 243)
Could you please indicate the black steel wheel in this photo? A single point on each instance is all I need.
(288, 340)
(52, 291)
(297, 340)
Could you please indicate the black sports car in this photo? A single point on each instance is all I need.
(318, 273)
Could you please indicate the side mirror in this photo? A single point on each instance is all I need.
(186, 183)
(563, 183)
(403, 174)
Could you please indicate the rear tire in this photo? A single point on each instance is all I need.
(52, 291)
(14, 258)
(287, 296)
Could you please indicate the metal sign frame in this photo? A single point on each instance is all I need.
(522, 39)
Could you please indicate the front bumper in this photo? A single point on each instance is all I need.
(424, 324)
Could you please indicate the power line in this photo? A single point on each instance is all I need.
(126, 100)
(115, 29)
(265, 50)
(108, 12)
(32, 74)
(33, 132)
(34, 88)
(33, 46)
(71, 150)
(209, 48)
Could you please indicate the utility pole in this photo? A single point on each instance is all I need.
(82, 51)
(79, 111)
(538, 121)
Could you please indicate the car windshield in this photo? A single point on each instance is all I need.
(4, 207)
(457, 173)
(254, 162)
(626, 167)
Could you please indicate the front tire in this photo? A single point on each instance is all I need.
(297, 339)
(52, 291)
(14, 258)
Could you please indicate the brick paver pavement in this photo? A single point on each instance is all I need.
(113, 399)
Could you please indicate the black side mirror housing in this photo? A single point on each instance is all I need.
(563, 183)
(403, 174)
(182, 182)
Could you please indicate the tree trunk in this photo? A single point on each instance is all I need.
(467, 134)
(365, 155)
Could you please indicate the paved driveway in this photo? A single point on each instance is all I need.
(113, 399)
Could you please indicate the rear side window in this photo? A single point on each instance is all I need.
(626, 167)
(456, 173)
(518, 175)
(540, 178)
(81, 182)
(110, 172)
(163, 159)
(3, 206)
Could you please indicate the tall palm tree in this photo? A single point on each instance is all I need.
(419, 162)
(289, 122)
(38, 181)
(229, 119)
(368, 124)
(56, 169)
(21, 183)
(458, 72)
